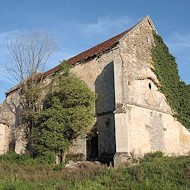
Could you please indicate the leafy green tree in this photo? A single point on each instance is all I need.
(68, 113)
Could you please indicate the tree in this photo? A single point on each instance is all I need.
(68, 113)
(29, 54)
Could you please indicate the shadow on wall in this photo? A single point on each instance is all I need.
(101, 141)
(104, 88)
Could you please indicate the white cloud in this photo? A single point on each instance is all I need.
(179, 42)
(80, 36)
(5, 35)
(73, 38)
(106, 24)
(182, 37)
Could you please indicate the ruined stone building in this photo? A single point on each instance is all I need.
(132, 115)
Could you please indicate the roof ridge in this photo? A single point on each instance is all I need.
(99, 48)
(95, 50)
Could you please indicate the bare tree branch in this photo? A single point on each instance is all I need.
(29, 52)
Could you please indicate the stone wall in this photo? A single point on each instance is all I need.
(98, 74)
(5, 138)
(132, 116)
(149, 124)
(9, 118)
(148, 129)
(106, 135)
(78, 149)
(151, 130)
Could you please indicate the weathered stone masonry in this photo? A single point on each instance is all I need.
(132, 116)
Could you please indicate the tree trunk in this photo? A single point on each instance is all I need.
(62, 156)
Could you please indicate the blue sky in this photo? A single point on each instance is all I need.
(80, 24)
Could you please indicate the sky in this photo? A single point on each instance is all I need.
(80, 24)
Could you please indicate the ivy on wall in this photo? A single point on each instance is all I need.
(176, 91)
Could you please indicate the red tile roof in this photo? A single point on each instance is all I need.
(102, 47)
(98, 49)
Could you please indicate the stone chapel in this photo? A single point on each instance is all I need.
(132, 116)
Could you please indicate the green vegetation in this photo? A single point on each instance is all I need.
(176, 91)
(68, 113)
(26, 159)
(29, 53)
(154, 172)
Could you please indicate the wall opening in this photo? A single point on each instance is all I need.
(92, 146)
(149, 85)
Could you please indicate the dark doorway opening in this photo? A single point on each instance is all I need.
(92, 146)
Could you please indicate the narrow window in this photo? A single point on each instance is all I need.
(149, 85)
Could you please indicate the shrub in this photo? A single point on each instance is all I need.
(26, 159)
(15, 158)
(46, 158)
(59, 167)
(152, 156)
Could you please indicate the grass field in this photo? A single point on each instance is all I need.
(155, 172)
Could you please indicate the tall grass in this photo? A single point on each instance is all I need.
(155, 172)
